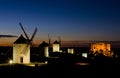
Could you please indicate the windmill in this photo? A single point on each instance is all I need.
(21, 48)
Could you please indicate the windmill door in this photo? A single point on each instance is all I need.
(21, 59)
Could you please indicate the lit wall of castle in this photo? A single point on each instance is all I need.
(101, 48)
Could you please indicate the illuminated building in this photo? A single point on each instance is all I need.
(21, 51)
(71, 50)
(84, 55)
(101, 48)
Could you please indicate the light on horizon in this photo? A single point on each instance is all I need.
(84, 55)
(10, 61)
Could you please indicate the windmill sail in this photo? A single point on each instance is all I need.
(29, 40)
(24, 51)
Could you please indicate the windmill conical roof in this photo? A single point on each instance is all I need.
(21, 39)
(56, 42)
(43, 44)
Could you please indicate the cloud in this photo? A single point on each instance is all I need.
(7, 36)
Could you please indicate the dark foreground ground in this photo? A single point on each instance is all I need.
(60, 71)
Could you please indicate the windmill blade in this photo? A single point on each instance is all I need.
(30, 42)
(24, 30)
(33, 34)
(25, 48)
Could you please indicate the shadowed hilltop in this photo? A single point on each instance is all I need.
(67, 65)
(60, 70)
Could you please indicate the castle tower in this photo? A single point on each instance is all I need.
(56, 46)
(21, 51)
(100, 46)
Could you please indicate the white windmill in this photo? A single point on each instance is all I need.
(21, 47)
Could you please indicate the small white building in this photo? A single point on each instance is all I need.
(84, 55)
(21, 50)
(71, 50)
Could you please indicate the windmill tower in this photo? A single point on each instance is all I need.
(44, 49)
(56, 46)
(21, 51)
(21, 47)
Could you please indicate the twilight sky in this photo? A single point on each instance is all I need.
(69, 19)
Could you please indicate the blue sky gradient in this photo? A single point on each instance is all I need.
(69, 19)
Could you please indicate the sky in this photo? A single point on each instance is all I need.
(71, 20)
